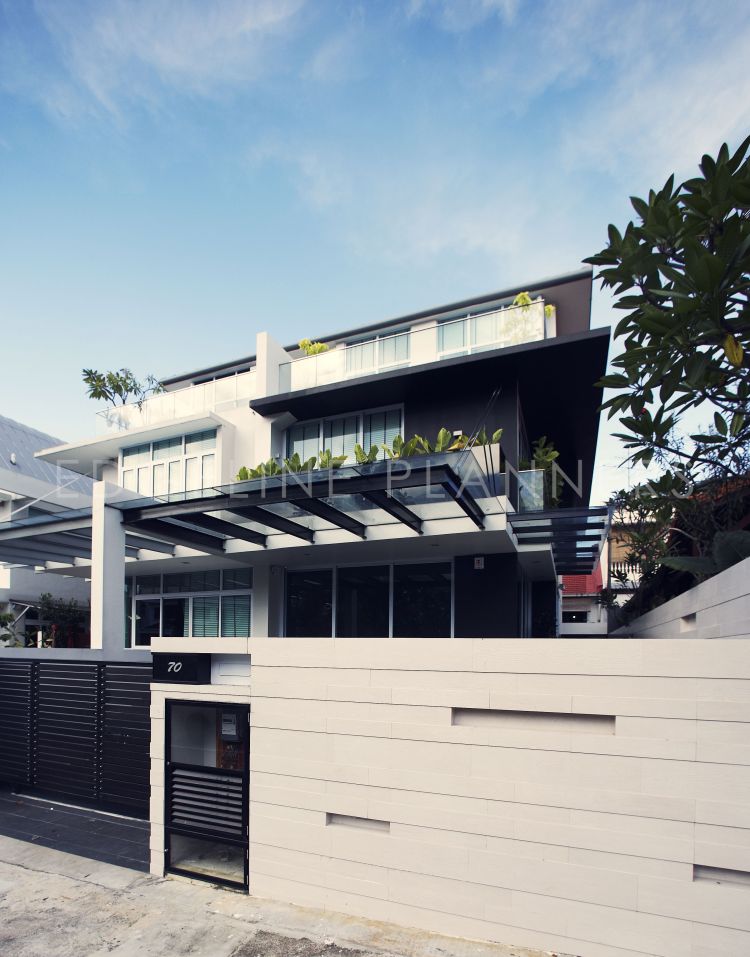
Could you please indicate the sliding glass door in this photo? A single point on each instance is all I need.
(409, 600)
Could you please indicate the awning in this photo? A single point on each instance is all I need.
(356, 500)
(576, 535)
(353, 499)
(60, 537)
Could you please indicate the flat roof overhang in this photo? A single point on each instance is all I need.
(88, 457)
(382, 501)
(551, 375)
(62, 538)
(576, 536)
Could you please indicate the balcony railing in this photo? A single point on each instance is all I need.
(509, 326)
(212, 396)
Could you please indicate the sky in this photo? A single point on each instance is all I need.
(177, 175)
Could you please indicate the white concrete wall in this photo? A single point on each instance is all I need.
(717, 608)
(570, 820)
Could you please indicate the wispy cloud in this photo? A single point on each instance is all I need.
(457, 16)
(101, 55)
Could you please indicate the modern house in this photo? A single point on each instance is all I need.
(30, 487)
(199, 540)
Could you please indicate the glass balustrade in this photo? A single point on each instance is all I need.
(213, 396)
(498, 329)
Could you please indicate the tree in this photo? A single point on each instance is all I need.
(120, 386)
(682, 274)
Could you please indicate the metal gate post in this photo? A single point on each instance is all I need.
(33, 722)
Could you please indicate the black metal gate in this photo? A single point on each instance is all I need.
(207, 791)
(77, 730)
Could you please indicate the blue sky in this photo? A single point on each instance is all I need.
(176, 175)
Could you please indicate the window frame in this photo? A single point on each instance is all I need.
(163, 595)
(390, 565)
(152, 463)
(358, 414)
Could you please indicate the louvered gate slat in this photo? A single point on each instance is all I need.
(16, 721)
(207, 801)
(66, 759)
(126, 734)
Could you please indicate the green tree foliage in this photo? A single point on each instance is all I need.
(681, 272)
(120, 386)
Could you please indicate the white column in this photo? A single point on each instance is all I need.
(107, 576)
(269, 356)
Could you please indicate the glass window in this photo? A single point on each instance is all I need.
(235, 616)
(485, 330)
(422, 600)
(381, 428)
(192, 475)
(309, 604)
(168, 448)
(394, 350)
(362, 602)
(360, 356)
(175, 477)
(160, 479)
(136, 455)
(235, 579)
(208, 474)
(144, 480)
(175, 618)
(206, 617)
(192, 581)
(147, 620)
(200, 442)
(148, 585)
(452, 336)
(304, 439)
(341, 435)
(129, 480)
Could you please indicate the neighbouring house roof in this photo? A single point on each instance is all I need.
(21, 442)
(583, 584)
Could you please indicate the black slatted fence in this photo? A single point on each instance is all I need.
(77, 730)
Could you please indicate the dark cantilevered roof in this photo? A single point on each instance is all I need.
(576, 535)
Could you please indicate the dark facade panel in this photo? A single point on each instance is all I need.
(486, 600)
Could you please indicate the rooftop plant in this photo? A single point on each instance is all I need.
(120, 386)
(312, 348)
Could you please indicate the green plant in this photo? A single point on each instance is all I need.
(120, 386)
(549, 310)
(312, 348)
(296, 465)
(523, 299)
(365, 458)
(327, 460)
(727, 549)
(264, 470)
(9, 636)
(681, 272)
(544, 455)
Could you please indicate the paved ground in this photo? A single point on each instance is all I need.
(58, 904)
(102, 837)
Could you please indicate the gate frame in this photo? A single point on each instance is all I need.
(243, 887)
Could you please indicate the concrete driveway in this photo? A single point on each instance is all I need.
(57, 904)
(110, 838)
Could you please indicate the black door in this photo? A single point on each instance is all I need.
(206, 791)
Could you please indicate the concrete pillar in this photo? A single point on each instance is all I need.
(107, 575)
(269, 356)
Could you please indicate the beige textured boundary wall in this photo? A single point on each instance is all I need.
(716, 608)
(583, 797)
